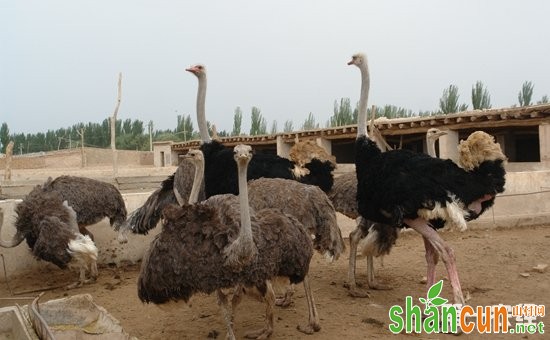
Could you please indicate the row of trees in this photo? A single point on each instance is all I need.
(131, 134)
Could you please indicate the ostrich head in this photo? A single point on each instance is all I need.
(435, 133)
(242, 154)
(198, 70)
(194, 156)
(358, 59)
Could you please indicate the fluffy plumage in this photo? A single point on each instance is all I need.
(49, 226)
(402, 188)
(206, 247)
(92, 200)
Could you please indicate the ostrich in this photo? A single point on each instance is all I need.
(220, 171)
(221, 244)
(49, 225)
(309, 204)
(92, 200)
(406, 189)
(382, 236)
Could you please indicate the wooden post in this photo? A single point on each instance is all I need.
(113, 125)
(150, 135)
(9, 156)
(82, 155)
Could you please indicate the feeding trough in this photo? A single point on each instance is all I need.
(74, 317)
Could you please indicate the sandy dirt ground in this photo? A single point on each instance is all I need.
(490, 264)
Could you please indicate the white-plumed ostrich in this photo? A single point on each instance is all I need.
(220, 171)
(49, 225)
(382, 238)
(220, 244)
(406, 189)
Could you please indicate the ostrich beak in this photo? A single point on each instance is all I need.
(191, 69)
(350, 62)
(441, 133)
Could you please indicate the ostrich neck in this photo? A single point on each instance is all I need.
(431, 147)
(197, 182)
(201, 116)
(17, 238)
(363, 100)
(246, 226)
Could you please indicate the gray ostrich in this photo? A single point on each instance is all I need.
(380, 237)
(92, 200)
(49, 225)
(221, 244)
(308, 203)
(43, 221)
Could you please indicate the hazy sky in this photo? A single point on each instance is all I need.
(59, 60)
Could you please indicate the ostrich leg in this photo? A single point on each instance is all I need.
(446, 253)
(431, 260)
(354, 237)
(313, 322)
(227, 314)
(269, 299)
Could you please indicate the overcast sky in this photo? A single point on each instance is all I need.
(59, 60)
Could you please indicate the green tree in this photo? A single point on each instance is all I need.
(526, 93)
(273, 128)
(237, 121)
(448, 103)
(310, 123)
(4, 136)
(184, 129)
(288, 126)
(342, 113)
(258, 125)
(480, 97)
(544, 100)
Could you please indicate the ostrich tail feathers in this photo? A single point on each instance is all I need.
(147, 216)
(477, 148)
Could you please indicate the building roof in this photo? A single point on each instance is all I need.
(478, 119)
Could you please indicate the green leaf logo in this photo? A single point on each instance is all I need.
(433, 299)
(435, 290)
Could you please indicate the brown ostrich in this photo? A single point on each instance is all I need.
(221, 244)
(309, 204)
(49, 225)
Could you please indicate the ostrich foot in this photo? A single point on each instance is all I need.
(309, 328)
(263, 333)
(358, 292)
(74, 285)
(284, 301)
(379, 286)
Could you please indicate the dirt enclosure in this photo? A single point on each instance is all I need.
(495, 266)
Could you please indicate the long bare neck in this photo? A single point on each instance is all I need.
(246, 226)
(17, 238)
(201, 115)
(363, 101)
(431, 147)
(197, 181)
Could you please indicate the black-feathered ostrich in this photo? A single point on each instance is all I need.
(406, 189)
(381, 237)
(49, 226)
(220, 244)
(220, 171)
(45, 220)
